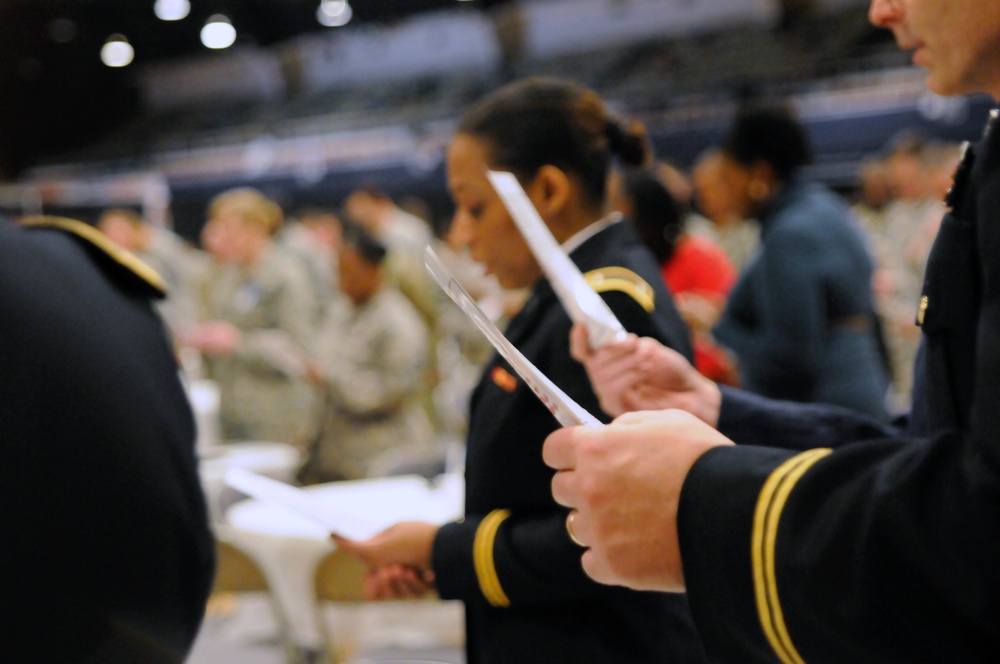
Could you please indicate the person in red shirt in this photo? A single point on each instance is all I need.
(695, 269)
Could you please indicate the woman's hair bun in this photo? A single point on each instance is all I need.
(629, 141)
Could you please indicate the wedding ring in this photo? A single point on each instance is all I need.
(569, 529)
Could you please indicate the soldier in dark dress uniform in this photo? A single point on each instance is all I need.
(107, 557)
(511, 559)
(874, 544)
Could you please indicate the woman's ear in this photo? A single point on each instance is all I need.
(765, 172)
(550, 192)
(762, 183)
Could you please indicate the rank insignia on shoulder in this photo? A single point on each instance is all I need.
(503, 379)
(623, 280)
(132, 265)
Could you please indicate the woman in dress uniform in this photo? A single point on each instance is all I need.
(512, 560)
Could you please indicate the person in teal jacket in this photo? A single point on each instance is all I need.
(800, 319)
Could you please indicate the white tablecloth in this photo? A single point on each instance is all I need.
(288, 547)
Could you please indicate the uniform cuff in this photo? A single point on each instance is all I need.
(715, 523)
(452, 559)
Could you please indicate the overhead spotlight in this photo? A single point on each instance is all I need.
(117, 52)
(334, 13)
(171, 10)
(218, 32)
(333, 8)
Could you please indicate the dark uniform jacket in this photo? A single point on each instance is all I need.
(527, 598)
(885, 550)
(106, 556)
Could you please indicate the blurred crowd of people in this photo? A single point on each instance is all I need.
(322, 328)
(713, 231)
(900, 203)
(792, 290)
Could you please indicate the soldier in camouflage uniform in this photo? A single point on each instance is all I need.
(259, 309)
(309, 239)
(405, 238)
(373, 354)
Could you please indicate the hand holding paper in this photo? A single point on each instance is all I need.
(408, 543)
(581, 302)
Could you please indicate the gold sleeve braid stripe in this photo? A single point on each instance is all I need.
(767, 515)
(104, 243)
(625, 281)
(482, 558)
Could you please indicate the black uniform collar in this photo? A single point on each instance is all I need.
(586, 256)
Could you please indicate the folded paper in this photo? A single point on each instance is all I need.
(567, 411)
(582, 303)
(283, 495)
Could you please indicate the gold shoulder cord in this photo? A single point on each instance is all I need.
(625, 281)
(102, 242)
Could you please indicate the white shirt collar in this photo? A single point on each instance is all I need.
(581, 236)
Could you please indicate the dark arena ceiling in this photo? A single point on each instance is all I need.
(75, 25)
(55, 92)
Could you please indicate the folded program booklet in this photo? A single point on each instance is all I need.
(582, 303)
(565, 410)
(273, 492)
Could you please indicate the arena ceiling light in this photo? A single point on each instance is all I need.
(171, 10)
(334, 13)
(117, 52)
(218, 32)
